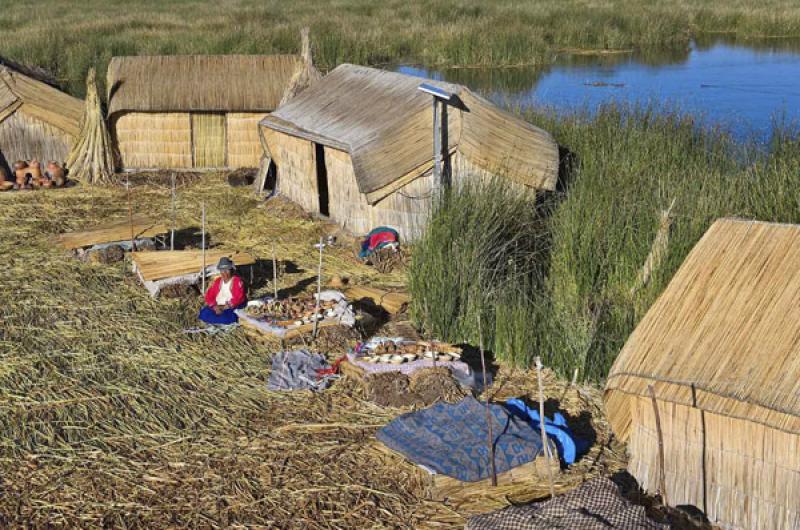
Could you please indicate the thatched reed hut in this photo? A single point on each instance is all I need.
(357, 146)
(36, 119)
(721, 350)
(195, 111)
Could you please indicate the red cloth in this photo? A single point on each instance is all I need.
(237, 291)
(381, 237)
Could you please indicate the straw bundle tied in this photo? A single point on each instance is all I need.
(91, 158)
(658, 250)
(306, 75)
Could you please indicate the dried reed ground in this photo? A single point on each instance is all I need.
(111, 417)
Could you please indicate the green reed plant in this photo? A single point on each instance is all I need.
(478, 253)
(436, 33)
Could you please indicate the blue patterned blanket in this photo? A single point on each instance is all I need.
(451, 439)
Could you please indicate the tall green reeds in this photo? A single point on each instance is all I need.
(570, 290)
(478, 259)
(432, 32)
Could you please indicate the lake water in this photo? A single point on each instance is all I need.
(741, 87)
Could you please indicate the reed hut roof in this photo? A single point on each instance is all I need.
(385, 124)
(21, 88)
(724, 336)
(213, 83)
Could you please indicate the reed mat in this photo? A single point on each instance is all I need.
(110, 416)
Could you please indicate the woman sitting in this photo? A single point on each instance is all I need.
(224, 296)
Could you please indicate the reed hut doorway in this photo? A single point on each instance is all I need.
(322, 180)
(208, 139)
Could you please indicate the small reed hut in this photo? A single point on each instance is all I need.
(721, 350)
(36, 119)
(195, 111)
(357, 147)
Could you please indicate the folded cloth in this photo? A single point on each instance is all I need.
(299, 370)
(378, 238)
(595, 505)
(569, 446)
(451, 439)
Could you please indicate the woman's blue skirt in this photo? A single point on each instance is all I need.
(228, 316)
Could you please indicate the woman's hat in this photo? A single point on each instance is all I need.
(225, 264)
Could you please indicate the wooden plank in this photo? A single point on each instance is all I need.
(393, 302)
(157, 265)
(108, 233)
(290, 333)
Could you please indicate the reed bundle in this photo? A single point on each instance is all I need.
(306, 74)
(111, 231)
(91, 158)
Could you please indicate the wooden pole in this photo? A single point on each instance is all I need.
(203, 246)
(172, 232)
(319, 289)
(488, 409)
(130, 211)
(547, 453)
(274, 271)
(662, 481)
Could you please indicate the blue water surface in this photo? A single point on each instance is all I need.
(743, 88)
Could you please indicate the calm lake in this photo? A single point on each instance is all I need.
(744, 88)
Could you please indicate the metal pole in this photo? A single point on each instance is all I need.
(319, 288)
(172, 232)
(437, 145)
(488, 409)
(203, 246)
(443, 147)
(274, 272)
(547, 453)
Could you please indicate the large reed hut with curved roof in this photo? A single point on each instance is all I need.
(195, 111)
(357, 146)
(36, 119)
(721, 350)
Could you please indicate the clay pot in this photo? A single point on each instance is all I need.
(21, 173)
(56, 173)
(35, 169)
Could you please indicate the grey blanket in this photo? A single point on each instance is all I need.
(298, 370)
(595, 505)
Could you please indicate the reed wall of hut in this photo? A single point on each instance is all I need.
(243, 144)
(24, 137)
(719, 352)
(406, 209)
(743, 475)
(153, 140)
(222, 98)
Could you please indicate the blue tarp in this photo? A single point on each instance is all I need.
(569, 447)
(451, 439)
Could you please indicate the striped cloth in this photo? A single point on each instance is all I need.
(595, 505)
